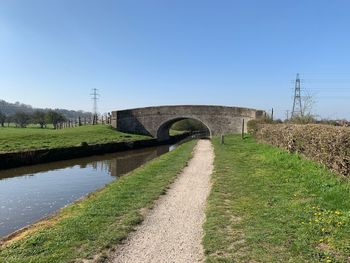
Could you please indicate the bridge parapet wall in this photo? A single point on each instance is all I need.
(150, 120)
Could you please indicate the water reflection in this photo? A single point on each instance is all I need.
(30, 193)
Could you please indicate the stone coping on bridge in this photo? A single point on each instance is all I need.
(189, 105)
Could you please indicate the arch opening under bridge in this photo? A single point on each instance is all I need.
(163, 132)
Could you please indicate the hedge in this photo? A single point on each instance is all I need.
(325, 144)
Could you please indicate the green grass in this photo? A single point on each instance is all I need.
(103, 219)
(175, 132)
(267, 205)
(20, 139)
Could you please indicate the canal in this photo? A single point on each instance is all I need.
(30, 193)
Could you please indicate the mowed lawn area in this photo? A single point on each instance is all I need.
(20, 139)
(267, 205)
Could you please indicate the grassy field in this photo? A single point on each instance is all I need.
(18, 139)
(103, 219)
(267, 205)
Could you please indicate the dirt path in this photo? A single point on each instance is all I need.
(172, 232)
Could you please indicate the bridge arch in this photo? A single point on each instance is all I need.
(164, 127)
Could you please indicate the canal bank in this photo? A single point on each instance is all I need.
(30, 193)
(30, 157)
(95, 224)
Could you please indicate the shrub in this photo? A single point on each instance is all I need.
(253, 125)
(306, 119)
(325, 144)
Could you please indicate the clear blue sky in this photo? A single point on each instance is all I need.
(147, 52)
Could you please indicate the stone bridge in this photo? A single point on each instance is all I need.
(156, 121)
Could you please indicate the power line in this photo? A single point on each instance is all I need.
(95, 97)
(297, 109)
(287, 114)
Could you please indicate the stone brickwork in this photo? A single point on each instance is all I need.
(156, 121)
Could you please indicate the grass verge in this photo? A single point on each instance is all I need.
(102, 220)
(20, 139)
(267, 205)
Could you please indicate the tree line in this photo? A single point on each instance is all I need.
(21, 119)
(10, 109)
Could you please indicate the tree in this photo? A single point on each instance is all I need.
(189, 125)
(9, 119)
(2, 119)
(55, 118)
(308, 103)
(21, 119)
(39, 117)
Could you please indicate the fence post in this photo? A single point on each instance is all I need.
(243, 129)
(222, 139)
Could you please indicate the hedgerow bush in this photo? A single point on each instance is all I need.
(325, 144)
(253, 125)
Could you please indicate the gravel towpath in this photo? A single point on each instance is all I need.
(172, 231)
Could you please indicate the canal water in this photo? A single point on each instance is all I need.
(30, 193)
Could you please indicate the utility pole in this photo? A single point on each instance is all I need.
(272, 114)
(94, 96)
(297, 109)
